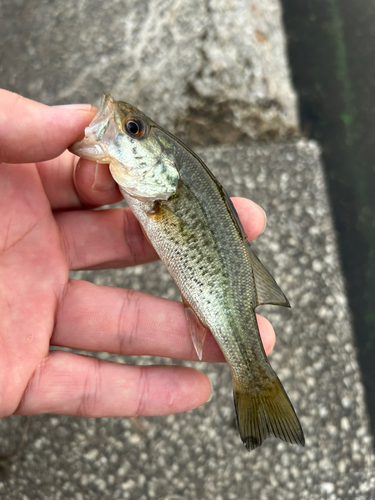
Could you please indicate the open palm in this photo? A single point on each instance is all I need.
(47, 228)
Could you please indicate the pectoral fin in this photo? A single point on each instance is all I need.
(267, 290)
(198, 331)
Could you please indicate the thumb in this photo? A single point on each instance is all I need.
(32, 132)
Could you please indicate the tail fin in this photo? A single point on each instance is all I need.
(265, 413)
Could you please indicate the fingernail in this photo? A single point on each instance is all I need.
(265, 219)
(85, 107)
(211, 393)
(103, 181)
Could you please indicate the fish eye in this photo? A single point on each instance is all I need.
(134, 128)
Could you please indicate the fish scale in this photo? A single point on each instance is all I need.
(194, 228)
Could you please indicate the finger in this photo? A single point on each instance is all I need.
(57, 179)
(113, 238)
(70, 384)
(99, 318)
(103, 239)
(95, 185)
(33, 132)
(62, 179)
(253, 218)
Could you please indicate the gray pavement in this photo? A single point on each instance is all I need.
(198, 455)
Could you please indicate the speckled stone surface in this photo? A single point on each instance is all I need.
(198, 455)
(195, 66)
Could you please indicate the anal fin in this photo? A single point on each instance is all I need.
(197, 330)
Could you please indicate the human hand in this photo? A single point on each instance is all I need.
(47, 228)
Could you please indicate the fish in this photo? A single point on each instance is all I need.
(189, 219)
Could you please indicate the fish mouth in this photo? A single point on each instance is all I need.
(99, 134)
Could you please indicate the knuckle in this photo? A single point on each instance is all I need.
(89, 401)
(128, 323)
(142, 392)
(67, 242)
(33, 387)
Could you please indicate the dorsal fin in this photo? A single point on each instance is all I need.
(266, 289)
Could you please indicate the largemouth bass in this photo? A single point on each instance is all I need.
(189, 219)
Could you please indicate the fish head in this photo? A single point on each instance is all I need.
(140, 158)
